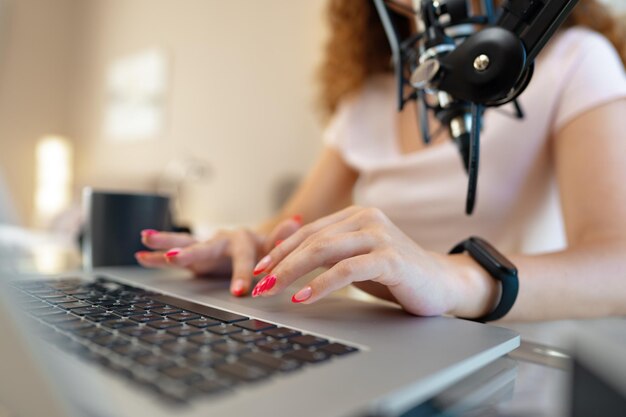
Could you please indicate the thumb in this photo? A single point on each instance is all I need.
(282, 231)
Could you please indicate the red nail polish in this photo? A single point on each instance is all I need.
(238, 292)
(297, 218)
(149, 232)
(269, 284)
(278, 242)
(172, 253)
(302, 295)
(141, 253)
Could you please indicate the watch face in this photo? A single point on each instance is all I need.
(493, 256)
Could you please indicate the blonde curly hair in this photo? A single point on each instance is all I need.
(357, 47)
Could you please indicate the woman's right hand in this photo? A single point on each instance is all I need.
(228, 251)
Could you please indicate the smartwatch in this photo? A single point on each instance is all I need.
(499, 267)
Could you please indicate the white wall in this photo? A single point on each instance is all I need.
(242, 90)
(35, 62)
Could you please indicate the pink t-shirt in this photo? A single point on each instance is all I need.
(517, 206)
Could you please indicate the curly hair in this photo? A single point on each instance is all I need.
(357, 47)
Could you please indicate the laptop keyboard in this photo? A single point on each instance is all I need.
(180, 349)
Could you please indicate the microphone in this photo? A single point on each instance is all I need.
(456, 65)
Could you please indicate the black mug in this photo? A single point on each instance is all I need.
(113, 225)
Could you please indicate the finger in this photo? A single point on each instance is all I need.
(202, 257)
(281, 232)
(165, 240)
(327, 249)
(356, 269)
(293, 241)
(242, 249)
(151, 259)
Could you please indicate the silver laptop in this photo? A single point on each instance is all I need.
(128, 341)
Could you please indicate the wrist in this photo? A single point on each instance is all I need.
(476, 292)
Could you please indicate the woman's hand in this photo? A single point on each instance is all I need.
(362, 246)
(228, 251)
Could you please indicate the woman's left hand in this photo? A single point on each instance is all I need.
(360, 245)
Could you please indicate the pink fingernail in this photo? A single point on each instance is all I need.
(278, 242)
(302, 295)
(297, 218)
(262, 265)
(149, 232)
(172, 253)
(238, 288)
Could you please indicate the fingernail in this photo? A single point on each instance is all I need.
(141, 253)
(264, 285)
(278, 242)
(297, 218)
(149, 232)
(238, 288)
(172, 253)
(262, 265)
(302, 295)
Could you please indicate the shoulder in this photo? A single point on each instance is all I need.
(573, 45)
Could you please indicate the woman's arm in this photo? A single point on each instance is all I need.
(588, 279)
(326, 189)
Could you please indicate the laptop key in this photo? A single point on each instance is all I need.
(129, 311)
(164, 324)
(247, 337)
(91, 332)
(308, 340)
(183, 316)
(157, 339)
(75, 325)
(164, 311)
(153, 360)
(203, 310)
(148, 305)
(89, 311)
(146, 318)
(242, 371)
(73, 305)
(281, 332)
(203, 323)
(231, 348)
(110, 340)
(308, 355)
(130, 350)
(118, 324)
(206, 339)
(180, 348)
(59, 318)
(274, 345)
(255, 325)
(138, 331)
(337, 349)
(184, 331)
(101, 317)
(206, 358)
(271, 362)
(59, 300)
(223, 330)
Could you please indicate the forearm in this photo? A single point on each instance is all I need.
(585, 281)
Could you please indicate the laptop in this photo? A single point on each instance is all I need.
(130, 341)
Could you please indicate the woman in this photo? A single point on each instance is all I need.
(410, 198)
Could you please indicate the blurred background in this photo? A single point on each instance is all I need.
(211, 101)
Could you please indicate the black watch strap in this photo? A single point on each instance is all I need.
(499, 267)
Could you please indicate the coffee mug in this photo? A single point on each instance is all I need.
(113, 225)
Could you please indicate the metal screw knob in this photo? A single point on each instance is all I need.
(481, 62)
